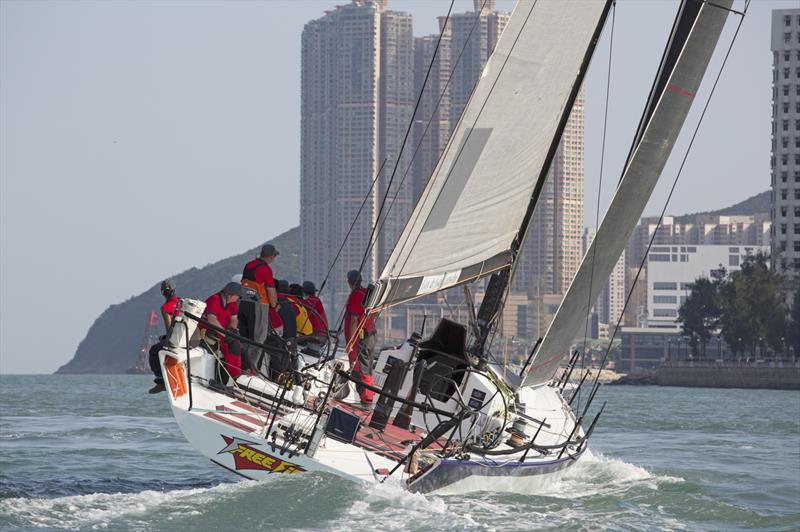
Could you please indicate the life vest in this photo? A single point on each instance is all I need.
(249, 279)
(304, 325)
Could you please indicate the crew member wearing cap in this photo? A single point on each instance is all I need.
(257, 274)
(360, 334)
(171, 305)
(286, 310)
(221, 310)
(317, 316)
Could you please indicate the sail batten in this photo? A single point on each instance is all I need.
(663, 119)
(474, 209)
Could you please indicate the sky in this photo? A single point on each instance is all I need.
(139, 139)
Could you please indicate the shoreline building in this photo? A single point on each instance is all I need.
(672, 270)
(751, 231)
(357, 98)
(785, 160)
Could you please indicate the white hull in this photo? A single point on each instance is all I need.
(234, 429)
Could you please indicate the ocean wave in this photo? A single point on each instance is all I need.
(101, 510)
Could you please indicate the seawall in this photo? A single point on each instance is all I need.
(765, 375)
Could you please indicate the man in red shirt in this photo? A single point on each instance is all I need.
(170, 307)
(360, 335)
(257, 274)
(221, 310)
(317, 316)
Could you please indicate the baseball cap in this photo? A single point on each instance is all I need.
(268, 250)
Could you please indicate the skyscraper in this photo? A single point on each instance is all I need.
(432, 126)
(785, 161)
(474, 40)
(356, 103)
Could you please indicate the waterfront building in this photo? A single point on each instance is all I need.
(644, 348)
(671, 270)
(751, 231)
(357, 98)
(785, 160)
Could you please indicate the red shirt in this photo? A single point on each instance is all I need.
(223, 314)
(318, 319)
(259, 271)
(355, 308)
(170, 305)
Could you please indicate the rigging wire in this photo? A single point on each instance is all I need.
(405, 139)
(599, 189)
(669, 196)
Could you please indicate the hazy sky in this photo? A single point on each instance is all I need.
(138, 139)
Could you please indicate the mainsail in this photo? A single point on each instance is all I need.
(472, 214)
(693, 40)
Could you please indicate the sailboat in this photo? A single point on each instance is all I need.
(448, 418)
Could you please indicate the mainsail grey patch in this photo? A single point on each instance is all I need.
(469, 151)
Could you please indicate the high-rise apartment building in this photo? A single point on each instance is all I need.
(432, 126)
(357, 100)
(473, 37)
(785, 161)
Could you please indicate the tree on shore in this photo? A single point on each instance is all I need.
(747, 307)
(752, 308)
(700, 315)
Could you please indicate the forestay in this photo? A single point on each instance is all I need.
(674, 96)
(470, 215)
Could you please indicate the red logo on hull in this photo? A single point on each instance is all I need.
(247, 457)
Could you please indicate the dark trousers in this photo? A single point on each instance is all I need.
(155, 365)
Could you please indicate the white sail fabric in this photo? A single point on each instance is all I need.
(472, 209)
(634, 190)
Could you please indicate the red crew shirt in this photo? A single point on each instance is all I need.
(262, 272)
(355, 308)
(170, 305)
(223, 314)
(318, 319)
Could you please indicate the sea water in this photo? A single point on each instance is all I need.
(87, 453)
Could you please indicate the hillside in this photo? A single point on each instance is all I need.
(113, 341)
(758, 204)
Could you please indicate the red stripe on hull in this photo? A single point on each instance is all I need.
(227, 421)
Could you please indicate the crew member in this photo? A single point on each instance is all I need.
(304, 327)
(257, 274)
(168, 309)
(360, 335)
(286, 310)
(319, 320)
(221, 310)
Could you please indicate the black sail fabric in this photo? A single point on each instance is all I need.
(470, 215)
(674, 99)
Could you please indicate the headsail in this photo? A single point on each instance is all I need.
(468, 221)
(673, 98)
